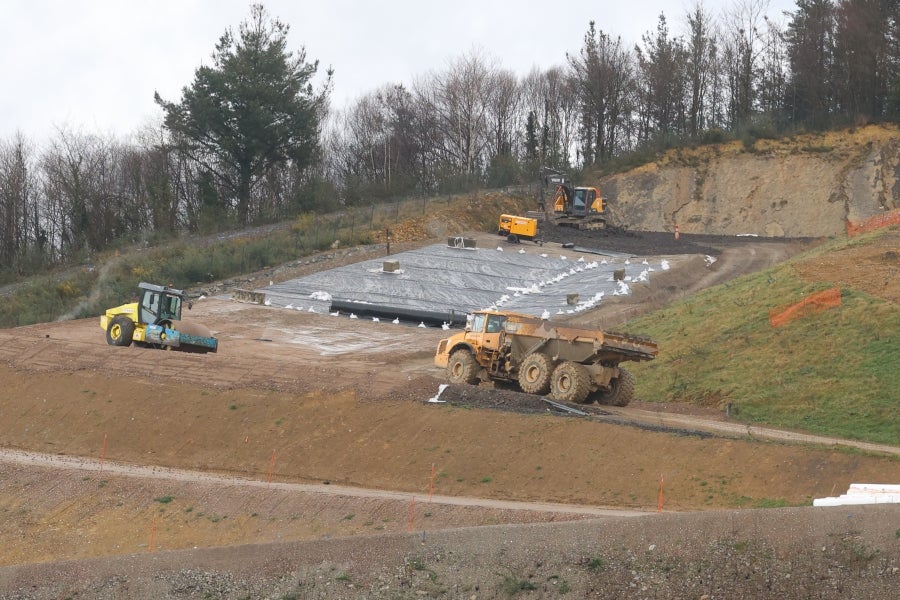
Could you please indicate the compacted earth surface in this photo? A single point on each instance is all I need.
(320, 457)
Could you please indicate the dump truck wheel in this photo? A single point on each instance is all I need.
(462, 368)
(119, 332)
(534, 374)
(570, 382)
(621, 390)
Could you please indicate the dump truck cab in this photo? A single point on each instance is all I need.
(486, 331)
(483, 337)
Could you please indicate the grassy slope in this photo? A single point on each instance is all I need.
(836, 372)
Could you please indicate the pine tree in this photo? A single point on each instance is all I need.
(253, 110)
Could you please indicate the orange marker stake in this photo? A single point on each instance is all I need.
(271, 469)
(659, 504)
(431, 485)
(152, 534)
(103, 453)
(412, 512)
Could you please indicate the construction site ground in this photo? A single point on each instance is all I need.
(304, 460)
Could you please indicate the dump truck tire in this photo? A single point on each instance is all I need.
(534, 374)
(462, 368)
(119, 332)
(570, 382)
(621, 390)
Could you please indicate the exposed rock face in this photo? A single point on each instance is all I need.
(807, 186)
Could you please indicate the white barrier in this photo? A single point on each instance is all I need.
(864, 493)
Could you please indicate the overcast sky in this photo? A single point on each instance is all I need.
(93, 65)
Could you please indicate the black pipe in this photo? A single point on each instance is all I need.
(451, 317)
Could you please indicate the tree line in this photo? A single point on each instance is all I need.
(253, 140)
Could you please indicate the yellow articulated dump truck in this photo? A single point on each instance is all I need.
(568, 363)
(155, 321)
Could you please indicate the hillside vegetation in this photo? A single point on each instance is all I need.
(196, 262)
(834, 372)
(831, 373)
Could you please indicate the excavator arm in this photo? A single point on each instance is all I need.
(562, 199)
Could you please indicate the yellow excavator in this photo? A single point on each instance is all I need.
(578, 207)
(155, 321)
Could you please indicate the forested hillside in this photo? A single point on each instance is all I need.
(254, 137)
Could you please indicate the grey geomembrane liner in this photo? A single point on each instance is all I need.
(440, 279)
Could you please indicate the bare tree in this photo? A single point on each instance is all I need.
(503, 113)
(741, 53)
(20, 230)
(810, 47)
(551, 97)
(866, 55)
(701, 67)
(82, 188)
(603, 74)
(660, 84)
(152, 170)
(504, 120)
(452, 114)
(773, 70)
(373, 146)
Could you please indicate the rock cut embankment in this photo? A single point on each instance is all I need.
(804, 186)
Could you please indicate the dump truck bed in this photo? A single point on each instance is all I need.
(578, 344)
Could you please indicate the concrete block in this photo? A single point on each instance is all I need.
(248, 296)
(461, 242)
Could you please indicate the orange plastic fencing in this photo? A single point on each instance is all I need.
(878, 221)
(814, 303)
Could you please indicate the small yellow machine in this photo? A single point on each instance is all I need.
(516, 228)
(151, 321)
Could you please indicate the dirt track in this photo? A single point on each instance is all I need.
(301, 398)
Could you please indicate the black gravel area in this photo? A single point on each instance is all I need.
(651, 243)
(509, 400)
(500, 398)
